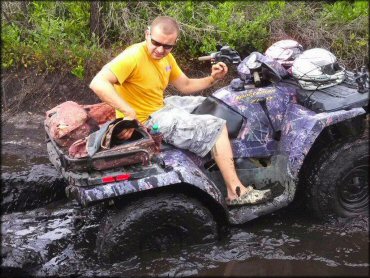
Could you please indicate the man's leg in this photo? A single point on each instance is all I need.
(201, 134)
(223, 155)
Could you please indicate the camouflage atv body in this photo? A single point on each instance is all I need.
(283, 138)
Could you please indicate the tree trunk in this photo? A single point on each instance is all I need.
(95, 20)
(24, 8)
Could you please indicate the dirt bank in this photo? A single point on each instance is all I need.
(31, 91)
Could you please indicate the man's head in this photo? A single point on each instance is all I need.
(161, 36)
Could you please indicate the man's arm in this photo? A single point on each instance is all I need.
(102, 85)
(191, 85)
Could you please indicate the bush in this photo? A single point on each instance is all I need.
(349, 27)
(56, 35)
(341, 27)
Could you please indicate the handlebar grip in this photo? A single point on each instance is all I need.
(256, 78)
(205, 58)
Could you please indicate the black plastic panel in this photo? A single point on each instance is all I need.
(339, 97)
(212, 106)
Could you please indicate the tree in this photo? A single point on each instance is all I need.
(96, 20)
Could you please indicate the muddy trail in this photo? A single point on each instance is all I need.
(45, 234)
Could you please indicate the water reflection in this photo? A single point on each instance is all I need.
(261, 267)
(60, 240)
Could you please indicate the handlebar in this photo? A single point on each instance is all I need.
(256, 65)
(225, 54)
(205, 58)
(256, 78)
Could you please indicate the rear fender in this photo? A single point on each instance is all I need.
(180, 170)
(301, 128)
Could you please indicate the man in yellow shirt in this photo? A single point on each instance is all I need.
(134, 82)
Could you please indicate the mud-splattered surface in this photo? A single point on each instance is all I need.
(47, 235)
(57, 240)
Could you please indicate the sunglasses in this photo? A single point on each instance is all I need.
(158, 44)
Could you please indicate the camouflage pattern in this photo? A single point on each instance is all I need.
(255, 138)
(299, 128)
(191, 174)
(186, 131)
(197, 133)
(183, 170)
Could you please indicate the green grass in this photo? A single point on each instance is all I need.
(55, 36)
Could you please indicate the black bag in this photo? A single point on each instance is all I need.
(110, 137)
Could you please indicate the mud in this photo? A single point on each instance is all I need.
(44, 234)
(59, 240)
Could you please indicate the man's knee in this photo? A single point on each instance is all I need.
(224, 134)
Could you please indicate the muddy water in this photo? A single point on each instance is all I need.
(53, 240)
(47, 235)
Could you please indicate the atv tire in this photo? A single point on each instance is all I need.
(337, 182)
(158, 222)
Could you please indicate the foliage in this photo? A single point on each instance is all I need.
(343, 11)
(55, 35)
(78, 71)
(341, 27)
(352, 37)
(11, 41)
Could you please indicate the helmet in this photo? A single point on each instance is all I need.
(284, 51)
(317, 68)
(256, 60)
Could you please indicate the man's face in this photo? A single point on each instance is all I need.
(159, 44)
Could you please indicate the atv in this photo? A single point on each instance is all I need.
(310, 145)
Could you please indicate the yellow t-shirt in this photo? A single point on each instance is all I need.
(142, 79)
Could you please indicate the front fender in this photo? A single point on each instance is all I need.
(301, 127)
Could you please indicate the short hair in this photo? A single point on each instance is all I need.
(167, 24)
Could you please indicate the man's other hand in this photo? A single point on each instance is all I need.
(219, 70)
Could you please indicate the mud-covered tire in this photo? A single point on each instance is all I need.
(158, 222)
(337, 180)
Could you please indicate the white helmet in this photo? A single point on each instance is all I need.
(317, 68)
(284, 52)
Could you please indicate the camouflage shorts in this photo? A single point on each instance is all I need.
(196, 133)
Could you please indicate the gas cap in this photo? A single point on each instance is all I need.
(237, 84)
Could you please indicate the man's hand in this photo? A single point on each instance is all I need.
(219, 71)
(130, 114)
(191, 85)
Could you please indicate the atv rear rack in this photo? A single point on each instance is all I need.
(89, 164)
